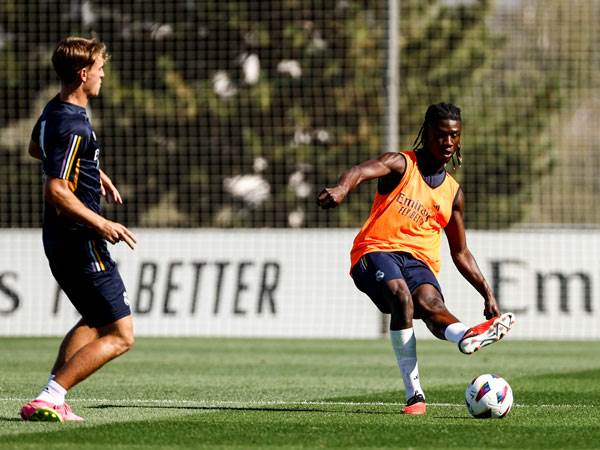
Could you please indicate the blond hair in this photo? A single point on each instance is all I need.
(75, 53)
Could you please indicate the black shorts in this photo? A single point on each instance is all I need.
(374, 269)
(94, 287)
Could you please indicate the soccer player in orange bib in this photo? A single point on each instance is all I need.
(396, 255)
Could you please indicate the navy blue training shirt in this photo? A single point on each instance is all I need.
(69, 152)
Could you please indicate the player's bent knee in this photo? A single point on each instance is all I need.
(399, 293)
(401, 303)
(405, 302)
(127, 341)
(120, 337)
(122, 344)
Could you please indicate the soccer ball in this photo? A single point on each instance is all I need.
(489, 396)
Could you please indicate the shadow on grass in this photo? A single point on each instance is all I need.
(300, 409)
(434, 395)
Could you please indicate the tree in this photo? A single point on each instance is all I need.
(452, 53)
(236, 113)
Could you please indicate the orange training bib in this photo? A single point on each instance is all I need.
(408, 219)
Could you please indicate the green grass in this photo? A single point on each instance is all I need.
(304, 394)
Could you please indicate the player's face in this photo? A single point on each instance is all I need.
(443, 139)
(93, 77)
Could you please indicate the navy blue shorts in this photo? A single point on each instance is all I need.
(374, 269)
(92, 283)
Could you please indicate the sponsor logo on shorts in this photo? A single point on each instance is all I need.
(379, 275)
(126, 298)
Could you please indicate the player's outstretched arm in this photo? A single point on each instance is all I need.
(57, 193)
(108, 189)
(464, 259)
(389, 162)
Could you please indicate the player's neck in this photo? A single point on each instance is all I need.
(428, 166)
(75, 96)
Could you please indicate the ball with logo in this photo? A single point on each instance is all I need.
(489, 396)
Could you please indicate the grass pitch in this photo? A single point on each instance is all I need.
(304, 394)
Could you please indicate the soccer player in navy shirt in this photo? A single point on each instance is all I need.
(75, 232)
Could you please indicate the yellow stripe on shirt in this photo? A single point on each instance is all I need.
(73, 184)
(77, 142)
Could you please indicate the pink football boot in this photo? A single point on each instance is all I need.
(42, 411)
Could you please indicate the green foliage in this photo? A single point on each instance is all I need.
(178, 116)
(332, 109)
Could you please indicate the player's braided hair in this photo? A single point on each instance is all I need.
(436, 112)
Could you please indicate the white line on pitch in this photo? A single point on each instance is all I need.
(253, 403)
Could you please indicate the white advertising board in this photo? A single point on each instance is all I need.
(295, 283)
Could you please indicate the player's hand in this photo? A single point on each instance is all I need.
(108, 189)
(114, 232)
(491, 308)
(331, 197)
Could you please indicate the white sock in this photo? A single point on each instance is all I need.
(404, 344)
(455, 331)
(53, 393)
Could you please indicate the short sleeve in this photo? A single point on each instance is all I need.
(60, 149)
